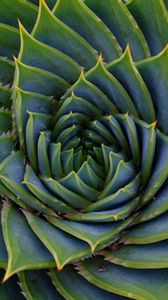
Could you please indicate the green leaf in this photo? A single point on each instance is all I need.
(112, 161)
(36, 80)
(160, 170)
(5, 121)
(37, 122)
(152, 18)
(86, 90)
(73, 287)
(79, 160)
(9, 41)
(120, 197)
(154, 71)
(132, 283)
(68, 196)
(156, 207)
(102, 130)
(5, 97)
(7, 70)
(11, 11)
(3, 252)
(25, 251)
(93, 138)
(111, 87)
(96, 167)
(75, 184)
(37, 54)
(43, 146)
(93, 234)
(91, 27)
(107, 215)
(147, 136)
(76, 105)
(55, 156)
(150, 231)
(119, 20)
(12, 171)
(67, 161)
(4, 192)
(70, 118)
(153, 256)
(6, 146)
(25, 102)
(125, 71)
(128, 124)
(37, 285)
(63, 246)
(103, 156)
(34, 184)
(51, 31)
(125, 171)
(117, 130)
(68, 134)
(73, 143)
(89, 177)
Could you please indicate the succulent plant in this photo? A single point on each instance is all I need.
(84, 149)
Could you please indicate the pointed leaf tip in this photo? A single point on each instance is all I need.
(21, 27)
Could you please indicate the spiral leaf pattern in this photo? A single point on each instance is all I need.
(84, 149)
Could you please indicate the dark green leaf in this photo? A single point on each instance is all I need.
(9, 41)
(91, 27)
(93, 234)
(73, 287)
(40, 55)
(155, 72)
(11, 11)
(119, 20)
(107, 215)
(25, 251)
(53, 32)
(133, 283)
(153, 256)
(63, 246)
(36, 80)
(125, 71)
(148, 232)
(7, 70)
(37, 285)
(152, 18)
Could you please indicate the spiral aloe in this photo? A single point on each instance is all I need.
(84, 149)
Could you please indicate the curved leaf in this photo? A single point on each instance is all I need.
(25, 251)
(68, 282)
(132, 283)
(62, 37)
(152, 256)
(37, 285)
(119, 20)
(37, 54)
(11, 11)
(152, 18)
(154, 72)
(91, 27)
(125, 71)
(63, 246)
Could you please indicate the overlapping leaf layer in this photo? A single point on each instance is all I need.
(84, 149)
